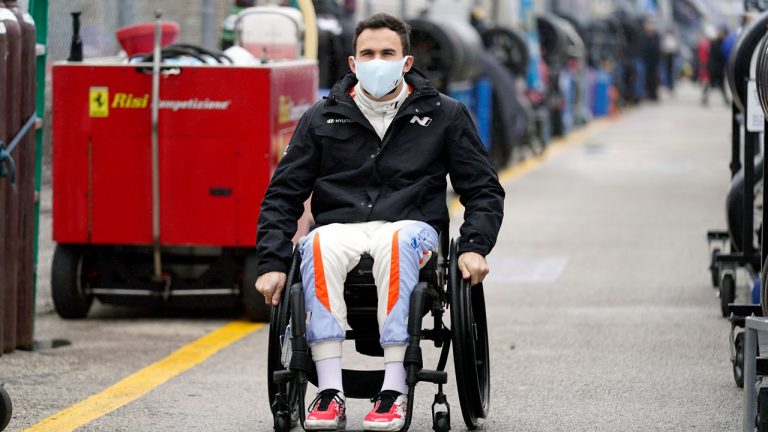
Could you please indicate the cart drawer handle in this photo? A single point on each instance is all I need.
(221, 192)
(164, 70)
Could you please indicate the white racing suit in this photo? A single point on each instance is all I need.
(328, 253)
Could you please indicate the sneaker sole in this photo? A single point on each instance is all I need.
(325, 426)
(377, 426)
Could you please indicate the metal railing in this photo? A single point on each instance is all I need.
(18, 159)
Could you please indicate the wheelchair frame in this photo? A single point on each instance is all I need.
(288, 375)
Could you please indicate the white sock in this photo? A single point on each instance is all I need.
(394, 377)
(329, 374)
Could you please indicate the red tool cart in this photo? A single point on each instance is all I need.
(170, 218)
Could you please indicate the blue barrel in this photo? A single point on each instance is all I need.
(484, 110)
(602, 98)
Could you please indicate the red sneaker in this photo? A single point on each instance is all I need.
(327, 412)
(388, 412)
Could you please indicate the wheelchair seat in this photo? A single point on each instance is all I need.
(361, 298)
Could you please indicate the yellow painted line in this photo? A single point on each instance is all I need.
(147, 379)
(555, 147)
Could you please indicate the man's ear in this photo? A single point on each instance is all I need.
(408, 64)
(351, 61)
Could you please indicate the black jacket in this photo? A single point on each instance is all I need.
(354, 176)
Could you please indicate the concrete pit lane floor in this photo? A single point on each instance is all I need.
(601, 312)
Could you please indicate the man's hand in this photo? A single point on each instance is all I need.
(270, 285)
(473, 267)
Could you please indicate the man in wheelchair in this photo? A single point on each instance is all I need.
(374, 155)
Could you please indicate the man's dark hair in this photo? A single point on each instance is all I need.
(382, 20)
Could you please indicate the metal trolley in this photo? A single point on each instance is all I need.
(740, 246)
(755, 365)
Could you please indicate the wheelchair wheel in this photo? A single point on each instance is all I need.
(278, 333)
(253, 301)
(470, 344)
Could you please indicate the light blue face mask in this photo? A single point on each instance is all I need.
(379, 77)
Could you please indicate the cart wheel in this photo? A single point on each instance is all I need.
(734, 204)
(761, 422)
(714, 269)
(470, 345)
(441, 422)
(509, 47)
(253, 302)
(738, 361)
(67, 288)
(727, 293)
(6, 408)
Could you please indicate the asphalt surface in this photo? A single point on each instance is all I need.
(601, 311)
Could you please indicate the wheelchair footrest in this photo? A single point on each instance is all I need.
(433, 376)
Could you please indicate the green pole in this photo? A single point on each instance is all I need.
(39, 11)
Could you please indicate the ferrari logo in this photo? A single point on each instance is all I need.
(99, 102)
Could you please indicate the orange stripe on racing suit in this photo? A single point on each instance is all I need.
(321, 289)
(394, 273)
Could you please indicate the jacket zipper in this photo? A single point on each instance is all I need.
(355, 112)
(400, 114)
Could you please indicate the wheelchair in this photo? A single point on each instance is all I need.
(440, 288)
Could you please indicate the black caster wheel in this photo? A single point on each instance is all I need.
(727, 293)
(738, 361)
(282, 422)
(714, 269)
(6, 408)
(761, 421)
(441, 422)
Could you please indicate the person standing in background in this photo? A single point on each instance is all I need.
(716, 66)
(702, 55)
(670, 48)
(651, 55)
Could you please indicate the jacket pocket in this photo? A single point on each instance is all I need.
(342, 149)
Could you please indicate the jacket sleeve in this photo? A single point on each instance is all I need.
(283, 202)
(477, 184)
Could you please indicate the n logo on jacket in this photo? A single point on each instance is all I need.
(423, 121)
